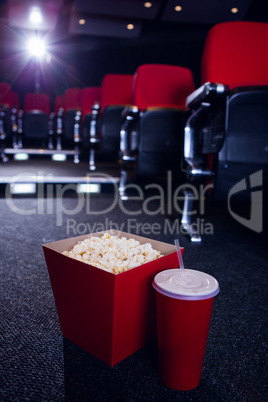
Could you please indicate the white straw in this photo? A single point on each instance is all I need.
(177, 244)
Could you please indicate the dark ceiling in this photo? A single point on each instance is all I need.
(110, 18)
(82, 54)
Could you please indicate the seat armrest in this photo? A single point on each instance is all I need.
(128, 133)
(59, 121)
(206, 93)
(14, 119)
(51, 121)
(129, 110)
(94, 124)
(77, 122)
(208, 101)
(20, 121)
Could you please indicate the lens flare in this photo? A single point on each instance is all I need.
(36, 47)
(35, 16)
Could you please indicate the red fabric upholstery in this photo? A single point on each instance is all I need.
(59, 103)
(91, 95)
(36, 101)
(116, 89)
(5, 94)
(235, 54)
(159, 85)
(73, 98)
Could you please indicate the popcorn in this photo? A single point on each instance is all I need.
(112, 253)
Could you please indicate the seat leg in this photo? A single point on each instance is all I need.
(92, 165)
(3, 156)
(20, 129)
(14, 141)
(59, 147)
(19, 144)
(50, 143)
(76, 155)
(122, 185)
(186, 220)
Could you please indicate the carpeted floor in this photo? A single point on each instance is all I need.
(37, 364)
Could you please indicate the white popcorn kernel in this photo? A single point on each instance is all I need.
(112, 253)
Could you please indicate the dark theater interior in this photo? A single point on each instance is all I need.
(142, 124)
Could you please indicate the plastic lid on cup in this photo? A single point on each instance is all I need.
(186, 284)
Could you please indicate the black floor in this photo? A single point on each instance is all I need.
(37, 364)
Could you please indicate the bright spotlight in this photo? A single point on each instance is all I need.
(35, 16)
(36, 47)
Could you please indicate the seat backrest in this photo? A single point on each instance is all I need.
(116, 89)
(235, 54)
(5, 94)
(160, 85)
(59, 103)
(73, 98)
(91, 95)
(36, 101)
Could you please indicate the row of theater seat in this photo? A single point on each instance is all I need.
(35, 126)
(220, 130)
(69, 122)
(156, 118)
(226, 134)
(92, 116)
(91, 119)
(10, 119)
(151, 135)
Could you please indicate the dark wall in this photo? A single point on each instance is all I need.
(83, 61)
(80, 61)
(92, 66)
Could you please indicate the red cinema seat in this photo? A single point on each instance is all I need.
(162, 86)
(35, 119)
(5, 95)
(116, 94)
(152, 134)
(226, 134)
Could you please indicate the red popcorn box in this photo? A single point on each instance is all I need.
(109, 315)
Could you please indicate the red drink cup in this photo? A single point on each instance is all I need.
(184, 305)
